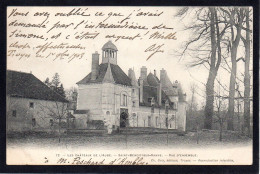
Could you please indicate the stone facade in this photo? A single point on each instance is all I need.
(25, 114)
(119, 100)
(33, 106)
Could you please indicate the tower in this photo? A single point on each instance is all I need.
(109, 53)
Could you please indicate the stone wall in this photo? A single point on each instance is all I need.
(36, 116)
(157, 119)
(90, 98)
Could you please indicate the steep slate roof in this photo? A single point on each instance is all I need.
(118, 74)
(152, 80)
(150, 91)
(25, 85)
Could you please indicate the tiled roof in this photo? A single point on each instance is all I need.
(118, 74)
(25, 85)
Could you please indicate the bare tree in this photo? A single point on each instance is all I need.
(235, 19)
(192, 109)
(221, 115)
(246, 42)
(71, 93)
(208, 32)
(56, 110)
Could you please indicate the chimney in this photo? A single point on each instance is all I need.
(95, 66)
(163, 77)
(175, 84)
(130, 72)
(141, 90)
(144, 73)
(159, 94)
(154, 72)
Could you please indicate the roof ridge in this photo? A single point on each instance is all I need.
(17, 71)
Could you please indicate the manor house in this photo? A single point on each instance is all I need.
(112, 98)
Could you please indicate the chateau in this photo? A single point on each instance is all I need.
(110, 97)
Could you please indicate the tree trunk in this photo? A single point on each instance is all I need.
(232, 85)
(233, 74)
(247, 77)
(209, 101)
(212, 74)
(59, 129)
(221, 130)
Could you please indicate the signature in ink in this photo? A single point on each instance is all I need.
(154, 49)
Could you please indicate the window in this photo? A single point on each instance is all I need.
(33, 122)
(170, 125)
(149, 121)
(108, 113)
(133, 104)
(51, 122)
(149, 99)
(174, 105)
(166, 122)
(133, 91)
(31, 105)
(123, 100)
(156, 121)
(14, 113)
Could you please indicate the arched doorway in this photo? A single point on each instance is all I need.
(123, 119)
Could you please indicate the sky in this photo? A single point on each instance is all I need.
(131, 53)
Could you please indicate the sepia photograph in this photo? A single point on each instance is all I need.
(118, 85)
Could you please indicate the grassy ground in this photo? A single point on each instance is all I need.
(206, 140)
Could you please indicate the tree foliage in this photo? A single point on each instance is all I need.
(56, 85)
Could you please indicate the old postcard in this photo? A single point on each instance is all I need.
(105, 85)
